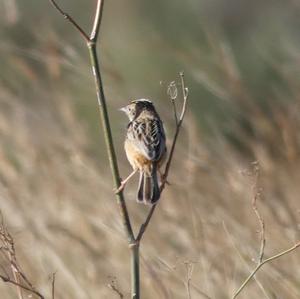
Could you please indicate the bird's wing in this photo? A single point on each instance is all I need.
(149, 137)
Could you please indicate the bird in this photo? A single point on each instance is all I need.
(145, 147)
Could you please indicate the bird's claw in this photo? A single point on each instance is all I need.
(120, 188)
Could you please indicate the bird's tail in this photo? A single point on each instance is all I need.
(148, 190)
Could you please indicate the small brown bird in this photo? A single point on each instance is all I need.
(145, 147)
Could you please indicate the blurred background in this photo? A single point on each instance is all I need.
(242, 65)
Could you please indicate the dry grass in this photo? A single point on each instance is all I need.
(56, 193)
(59, 205)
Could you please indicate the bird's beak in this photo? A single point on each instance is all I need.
(123, 109)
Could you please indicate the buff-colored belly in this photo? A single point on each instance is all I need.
(135, 158)
(138, 161)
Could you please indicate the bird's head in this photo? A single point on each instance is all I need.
(134, 108)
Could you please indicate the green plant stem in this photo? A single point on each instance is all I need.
(134, 246)
(108, 140)
(135, 271)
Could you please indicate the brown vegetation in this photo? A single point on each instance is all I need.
(56, 193)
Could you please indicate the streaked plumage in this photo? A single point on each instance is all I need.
(145, 147)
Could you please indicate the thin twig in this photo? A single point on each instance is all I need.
(145, 224)
(91, 43)
(230, 237)
(256, 196)
(97, 21)
(260, 262)
(53, 285)
(108, 134)
(168, 165)
(178, 127)
(9, 252)
(22, 275)
(7, 279)
(189, 271)
(113, 286)
(16, 276)
(71, 20)
(270, 259)
(179, 278)
(185, 94)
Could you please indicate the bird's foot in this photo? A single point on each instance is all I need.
(121, 187)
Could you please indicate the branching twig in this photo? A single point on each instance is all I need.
(168, 165)
(189, 266)
(268, 260)
(19, 278)
(188, 276)
(71, 20)
(8, 251)
(97, 21)
(91, 43)
(185, 94)
(230, 237)
(261, 261)
(9, 280)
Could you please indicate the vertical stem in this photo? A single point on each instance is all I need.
(135, 271)
(134, 246)
(108, 140)
(91, 42)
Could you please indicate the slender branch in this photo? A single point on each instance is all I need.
(182, 280)
(91, 43)
(189, 271)
(256, 196)
(113, 285)
(135, 271)
(22, 275)
(178, 127)
(106, 123)
(9, 253)
(71, 20)
(7, 279)
(14, 269)
(97, 21)
(230, 237)
(116, 290)
(145, 224)
(109, 140)
(53, 285)
(168, 165)
(185, 93)
(261, 261)
(270, 259)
